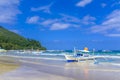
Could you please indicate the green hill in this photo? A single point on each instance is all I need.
(10, 40)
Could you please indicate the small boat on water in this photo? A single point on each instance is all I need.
(3, 50)
(30, 51)
(81, 56)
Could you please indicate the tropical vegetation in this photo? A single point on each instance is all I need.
(12, 41)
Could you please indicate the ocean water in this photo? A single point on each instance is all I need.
(112, 57)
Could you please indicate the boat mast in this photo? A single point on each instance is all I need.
(74, 51)
(93, 51)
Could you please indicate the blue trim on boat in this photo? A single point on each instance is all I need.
(71, 60)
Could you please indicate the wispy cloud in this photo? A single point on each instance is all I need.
(47, 22)
(33, 20)
(110, 26)
(64, 22)
(59, 26)
(72, 19)
(9, 10)
(87, 20)
(113, 35)
(61, 23)
(45, 9)
(83, 3)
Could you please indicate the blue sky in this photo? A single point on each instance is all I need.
(63, 24)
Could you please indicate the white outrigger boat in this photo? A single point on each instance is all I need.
(83, 55)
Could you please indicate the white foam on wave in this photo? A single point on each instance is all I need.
(45, 58)
(49, 54)
(115, 57)
(116, 64)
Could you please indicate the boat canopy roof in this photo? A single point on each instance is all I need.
(85, 50)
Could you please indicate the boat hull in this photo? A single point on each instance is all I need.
(72, 61)
(71, 58)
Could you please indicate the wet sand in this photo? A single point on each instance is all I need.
(51, 70)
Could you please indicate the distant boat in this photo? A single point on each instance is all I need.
(3, 50)
(83, 55)
(29, 51)
(106, 51)
(21, 51)
(36, 52)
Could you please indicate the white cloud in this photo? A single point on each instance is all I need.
(64, 22)
(61, 23)
(33, 20)
(87, 20)
(9, 10)
(83, 3)
(110, 26)
(49, 22)
(45, 9)
(113, 35)
(67, 18)
(59, 26)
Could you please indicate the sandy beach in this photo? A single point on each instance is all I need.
(52, 70)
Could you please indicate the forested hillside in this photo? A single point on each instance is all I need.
(10, 40)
